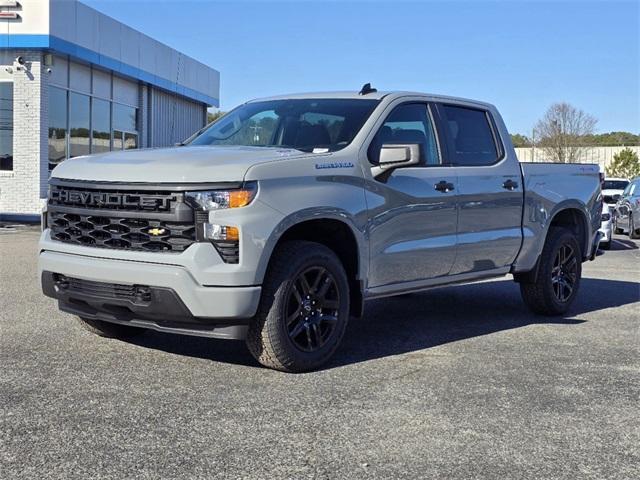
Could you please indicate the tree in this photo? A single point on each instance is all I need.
(562, 131)
(625, 164)
(613, 139)
(212, 117)
(520, 140)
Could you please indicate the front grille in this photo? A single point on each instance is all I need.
(154, 221)
(121, 233)
(135, 293)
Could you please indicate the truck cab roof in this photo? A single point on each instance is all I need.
(378, 95)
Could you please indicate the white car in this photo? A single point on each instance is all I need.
(606, 227)
(612, 189)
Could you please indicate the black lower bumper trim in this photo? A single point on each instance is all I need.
(127, 303)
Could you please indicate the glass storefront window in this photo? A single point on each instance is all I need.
(100, 126)
(118, 140)
(78, 125)
(57, 126)
(6, 125)
(130, 141)
(124, 118)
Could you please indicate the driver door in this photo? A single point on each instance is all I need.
(412, 211)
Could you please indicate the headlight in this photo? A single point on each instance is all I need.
(220, 199)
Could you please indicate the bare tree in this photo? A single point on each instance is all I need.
(562, 130)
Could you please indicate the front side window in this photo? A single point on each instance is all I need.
(406, 124)
(309, 125)
(470, 136)
(6, 125)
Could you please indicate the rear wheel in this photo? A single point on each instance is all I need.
(559, 272)
(110, 330)
(617, 230)
(633, 233)
(304, 308)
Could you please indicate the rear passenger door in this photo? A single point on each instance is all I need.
(490, 191)
(412, 211)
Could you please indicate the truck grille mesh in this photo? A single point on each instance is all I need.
(121, 233)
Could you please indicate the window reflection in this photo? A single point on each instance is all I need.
(100, 126)
(57, 126)
(78, 125)
(6, 126)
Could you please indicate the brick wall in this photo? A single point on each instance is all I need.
(22, 188)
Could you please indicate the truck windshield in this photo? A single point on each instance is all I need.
(310, 125)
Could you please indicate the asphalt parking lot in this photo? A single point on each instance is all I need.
(459, 382)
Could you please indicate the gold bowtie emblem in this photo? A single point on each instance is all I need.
(156, 231)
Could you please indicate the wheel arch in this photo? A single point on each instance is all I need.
(334, 229)
(572, 216)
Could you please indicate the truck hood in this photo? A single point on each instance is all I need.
(200, 164)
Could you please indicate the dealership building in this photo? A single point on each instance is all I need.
(74, 82)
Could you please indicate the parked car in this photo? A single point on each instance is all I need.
(612, 189)
(607, 226)
(627, 211)
(277, 222)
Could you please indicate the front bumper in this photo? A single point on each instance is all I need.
(178, 300)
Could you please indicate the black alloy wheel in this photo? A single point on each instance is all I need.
(564, 273)
(312, 308)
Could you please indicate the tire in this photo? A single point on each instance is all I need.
(549, 294)
(298, 268)
(633, 233)
(617, 230)
(110, 330)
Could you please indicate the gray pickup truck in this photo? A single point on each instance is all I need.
(278, 221)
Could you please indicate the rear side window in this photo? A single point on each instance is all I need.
(470, 137)
(408, 123)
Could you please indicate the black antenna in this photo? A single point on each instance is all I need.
(366, 89)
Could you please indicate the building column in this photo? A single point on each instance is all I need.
(22, 189)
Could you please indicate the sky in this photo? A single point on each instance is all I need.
(519, 55)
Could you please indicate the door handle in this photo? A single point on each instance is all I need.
(510, 185)
(444, 186)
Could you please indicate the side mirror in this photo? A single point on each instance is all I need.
(396, 156)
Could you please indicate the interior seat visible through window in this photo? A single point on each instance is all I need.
(407, 124)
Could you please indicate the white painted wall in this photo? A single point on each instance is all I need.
(602, 156)
(34, 18)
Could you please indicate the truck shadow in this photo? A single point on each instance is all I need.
(623, 244)
(398, 325)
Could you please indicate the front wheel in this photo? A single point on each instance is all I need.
(303, 310)
(559, 273)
